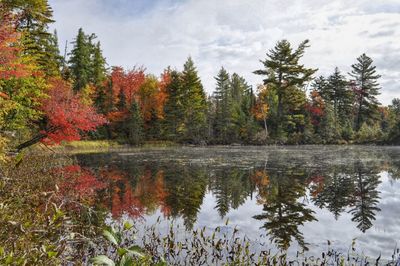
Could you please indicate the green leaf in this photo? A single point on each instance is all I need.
(136, 251)
(102, 260)
(19, 158)
(122, 251)
(110, 236)
(127, 225)
(51, 254)
(126, 261)
(9, 258)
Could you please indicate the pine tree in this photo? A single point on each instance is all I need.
(34, 17)
(366, 88)
(244, 125)
(320, 85)
(121, 104)
(174, 108)
(195, 104)
(366, 196)
(340, 97)
(223, 106)
(134, 125)
(80, 61)
(284, 72)
(52, 56)
(98, 66)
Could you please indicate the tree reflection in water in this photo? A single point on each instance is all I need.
(286, 191)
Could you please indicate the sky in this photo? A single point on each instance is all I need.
(237, 34)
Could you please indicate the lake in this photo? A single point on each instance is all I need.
(291, 198)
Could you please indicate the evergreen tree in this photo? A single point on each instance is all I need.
(98, 66)
(328, 130)
(174, 108)
(52, 58)
(239, 88)
(231, 187)
(283, 212)
(121, 104)
(187, 188)
(320, 85)
(223, 107)
(340, 97)
(195, 104)
(34, 17)
(284, 73)
(336, 194)
(366, 196)
(134, 125)
(80, 61)
(366, 88)
(244, 125)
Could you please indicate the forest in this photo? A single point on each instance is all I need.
(50, 98)
(64, 206)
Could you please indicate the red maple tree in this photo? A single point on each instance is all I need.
(67, 116)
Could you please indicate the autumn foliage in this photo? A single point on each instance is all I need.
(67, 115)
(9, 66)
(80, 181)
(316, 108)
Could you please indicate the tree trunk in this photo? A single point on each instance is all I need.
(35, 139)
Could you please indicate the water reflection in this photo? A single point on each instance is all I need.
(283, 210)
(286, 190)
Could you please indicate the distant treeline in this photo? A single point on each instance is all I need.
(56, 97)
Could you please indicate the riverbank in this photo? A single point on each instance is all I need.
(95, 146)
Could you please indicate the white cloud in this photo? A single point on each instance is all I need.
(238, 33)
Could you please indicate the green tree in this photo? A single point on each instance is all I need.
(98, 66)
(134, 125)
(174, 108)
(320, 85)
(283, 212)
(223, 108)
(195, 104)
(366, 89)
(336, 193)
(284, 73)
(231, 188)
(243, 122)
(394, 121)
(340, 97)
(187, 187)
(366, 196)
(80, 61)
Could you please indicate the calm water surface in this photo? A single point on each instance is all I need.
(285, 197)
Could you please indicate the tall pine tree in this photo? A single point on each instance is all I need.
(223, 107)
(285, 75)
(174, 108)
(80, 61)
(340, 97)
(366, 89)
(195, 104)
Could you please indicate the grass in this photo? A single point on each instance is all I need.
(212, 247)
(92, 146)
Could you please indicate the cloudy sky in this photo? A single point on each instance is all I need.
(236, 34)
